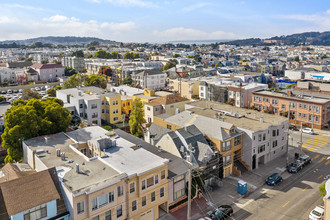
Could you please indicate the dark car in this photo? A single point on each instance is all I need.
(221, 213)
(293, 127)
(274, 179)
(305, 159)
(295, 167)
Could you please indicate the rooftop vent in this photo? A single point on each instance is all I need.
(262, 119)
(77, 168)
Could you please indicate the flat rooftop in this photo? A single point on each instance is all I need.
(93, 174)
(240, 117)
(297, 98)
(77, 93)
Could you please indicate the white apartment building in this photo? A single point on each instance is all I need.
(150, 79)
(9, 74)
(77, 63)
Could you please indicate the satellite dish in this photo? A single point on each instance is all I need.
(327, 186)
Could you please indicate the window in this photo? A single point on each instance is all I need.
(300, 105)
(108, 215)
(96, 218)
(317, 108)
(226, 146)
(143, 184)
(163, 174)
(274, 101)
(80, 207)
(292, 105)
(150, 182)
(94, 106)
(274, 133)
(115, 102)
(102, 111)
(134, 205)
(119, 211)
(115, 119)
(94, 204)
(102, 102)
(226, 160)
(103, 200)
(111, 196)
(162, 192)
(283, 106)
(305, 106)
(264, 137)
(153, 196)
(178, 194)
(275, 143)
(132, 187)
(144, 201)
(120, 190)
(115, 111)
(94, 115)
(261, 148)
(148, 108)
(81, 106)
(107, 111)
(278, 132)
(37, 212)
(156, 179)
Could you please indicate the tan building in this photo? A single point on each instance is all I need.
(98, 173)
(170, 105)
(310, 111)
(187, 88)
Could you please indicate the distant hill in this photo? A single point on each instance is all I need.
(307, 38)
(68, 40)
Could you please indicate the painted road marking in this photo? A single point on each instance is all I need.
(327, 163)
(312, 148)
(317, 156)
(305, 188)
(323, 158)
(319, 177)
(285, 204)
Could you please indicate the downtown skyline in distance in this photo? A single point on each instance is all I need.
(161, 21)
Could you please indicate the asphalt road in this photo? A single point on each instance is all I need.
(292, 199)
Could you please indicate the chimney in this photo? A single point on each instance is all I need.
(58, 152)
(262, 119)
(114, 143)
(77, 168)
(79, 93)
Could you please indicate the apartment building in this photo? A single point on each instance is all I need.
(98, 174)
(223, 136)
(264, 136)
(18, 184)
(169, 104)
(86, 106)
(187, 88)
(149, 79)
(241, 93)
(48, 72)
(77, 63)
(310, 110)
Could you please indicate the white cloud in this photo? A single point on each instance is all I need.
(195, 6)
(25, 7)
(181, 33)
(56, 18)
(128, 3)
(318, 21)
(7, 20)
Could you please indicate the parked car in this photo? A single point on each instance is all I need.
(15, 91)
(293, 127)
(221, 213)
(3, 92)
(274, 179)
(305, 159)
(317, 213)
(37, 88)
(10, 91)
(295, 167)
(20, 90)
(307, 130)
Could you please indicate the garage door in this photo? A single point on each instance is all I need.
(148, 215)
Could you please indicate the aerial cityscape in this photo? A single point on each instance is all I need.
(169, 110)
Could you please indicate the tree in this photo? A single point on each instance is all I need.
(136, 119)
(127, 81)
(297, 59)
(128, 55)
(29, 59)
(3, 99)
(29, 94)
(106, 71)
(74, 81)
(91, 48)
(45, 61)
(83, 70)
(90, 56)
(51, 92)
(32, 118)
(176, 55)
(169, 65)
(107, 127)
(100, 54)
(322, 190)
(95, 80)
(69, 71)
(78, 53)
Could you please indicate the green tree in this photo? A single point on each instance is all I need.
(127, 81)
(78, 53)
(107, 127)
(128, 56)
(69, 71)
(297, 59)
(90, 56)
(136, 119)
(95, 80)
(29, 94)
(322, 190)
(74, 81)
(83, 70)
(106, 71)
(91, 48)
(176, 55)
(29, 59)
(2, 99)
(101, 54)
(45, 61)
(32, 118)
(169, 65)
(51, 92)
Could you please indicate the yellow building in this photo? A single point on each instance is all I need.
(126, 105)
(149, 95)
(185, 87)
(111, 107)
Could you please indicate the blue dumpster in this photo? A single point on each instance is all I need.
(241, 187)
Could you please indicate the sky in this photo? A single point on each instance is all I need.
(161, 20)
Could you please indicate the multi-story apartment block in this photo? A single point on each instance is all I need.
(241, 93)
(308, 110)
(77, 63)
(48, 72)
(98, 174)
(149, 79)
(185, 87)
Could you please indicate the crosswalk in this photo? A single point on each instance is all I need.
(315, 143)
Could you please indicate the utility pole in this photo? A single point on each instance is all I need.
(313, 116)
(287, 141)
(301, 137)
(189, 183)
